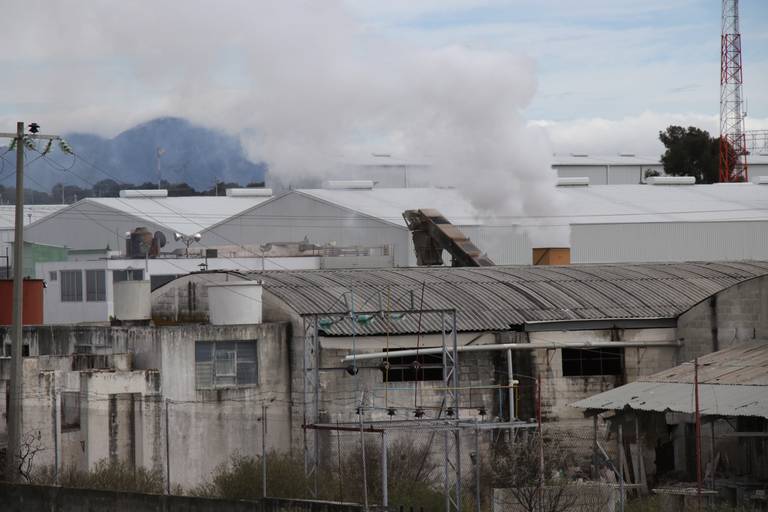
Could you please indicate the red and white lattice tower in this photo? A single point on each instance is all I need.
(733, 146)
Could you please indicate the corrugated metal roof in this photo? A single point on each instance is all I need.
(601, 204)
(715, 400)
(495, 298)
(388, 204)
(732, 383)
(37, 211)
(186, 215)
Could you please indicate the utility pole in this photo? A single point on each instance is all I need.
(14, 413)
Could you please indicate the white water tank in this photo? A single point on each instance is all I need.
(132, 300)
(232, 303)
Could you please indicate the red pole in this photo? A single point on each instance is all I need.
(698, 431)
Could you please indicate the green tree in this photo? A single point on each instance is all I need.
(690, 152)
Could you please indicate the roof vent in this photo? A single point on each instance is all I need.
(349, 184)
(671, 180)
(762, 180)
(581, 181)
(154, 192)
(628, 155)
(381, 155)
(249, 192)
(581, 155)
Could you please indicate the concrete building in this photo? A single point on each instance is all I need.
(582, 329)
(113, 390)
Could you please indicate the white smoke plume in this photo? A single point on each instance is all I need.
(303, 82)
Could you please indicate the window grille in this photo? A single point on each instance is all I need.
(597, 361)
(71, 285)
(221, 364)
(95, 286)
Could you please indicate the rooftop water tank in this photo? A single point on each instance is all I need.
(249, 192)
(350, 184)
(132, 300)
(151, 192)
(236, 302)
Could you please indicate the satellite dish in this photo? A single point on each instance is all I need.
(160, 239)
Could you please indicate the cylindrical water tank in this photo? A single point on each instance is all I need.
(132, 300)
(237, 302)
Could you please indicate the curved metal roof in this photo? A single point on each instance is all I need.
(496, 298)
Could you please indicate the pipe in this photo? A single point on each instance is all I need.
(510, 381)
(514, 346)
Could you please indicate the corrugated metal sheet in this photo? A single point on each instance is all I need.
(715, 400)
(495, 298)
(732, 383)
(32, 212)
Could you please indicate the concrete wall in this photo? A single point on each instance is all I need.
(38, 498)
(735, 315)
(206, 426)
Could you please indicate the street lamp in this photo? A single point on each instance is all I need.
(187, 240)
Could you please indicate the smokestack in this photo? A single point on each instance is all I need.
(551, 255)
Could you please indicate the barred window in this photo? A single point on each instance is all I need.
(597, 361)
(95, 286)
(127, 275)
(71, 285)
(221, 364)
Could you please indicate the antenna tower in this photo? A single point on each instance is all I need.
(733, 144)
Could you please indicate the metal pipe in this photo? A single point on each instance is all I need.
(514, 346)
(384, 469)
(510, 383)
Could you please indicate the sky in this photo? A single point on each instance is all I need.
(596, 76)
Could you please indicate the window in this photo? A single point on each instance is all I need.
(413, 368)
(127, 275)
(71, 285)
(95, 286)
(70, 411)
(221, 364)
(52, 276)
(597, 361)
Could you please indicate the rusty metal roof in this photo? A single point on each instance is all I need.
(496, 298)
(732, 383)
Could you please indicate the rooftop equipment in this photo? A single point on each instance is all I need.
(235, 302)
(350, 184)
(580, 181)
(249, 192)
(143, 193)
(671, 180)
(432, 233)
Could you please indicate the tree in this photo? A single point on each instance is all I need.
(690, 152)
(524, 487)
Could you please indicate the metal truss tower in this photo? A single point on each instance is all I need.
(733, 145)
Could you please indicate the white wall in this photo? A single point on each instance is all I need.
(669, 241)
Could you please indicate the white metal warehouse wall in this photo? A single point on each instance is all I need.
(669, 241)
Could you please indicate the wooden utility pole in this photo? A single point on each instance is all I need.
(14, 412)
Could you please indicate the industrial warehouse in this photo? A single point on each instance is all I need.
(352, 256)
